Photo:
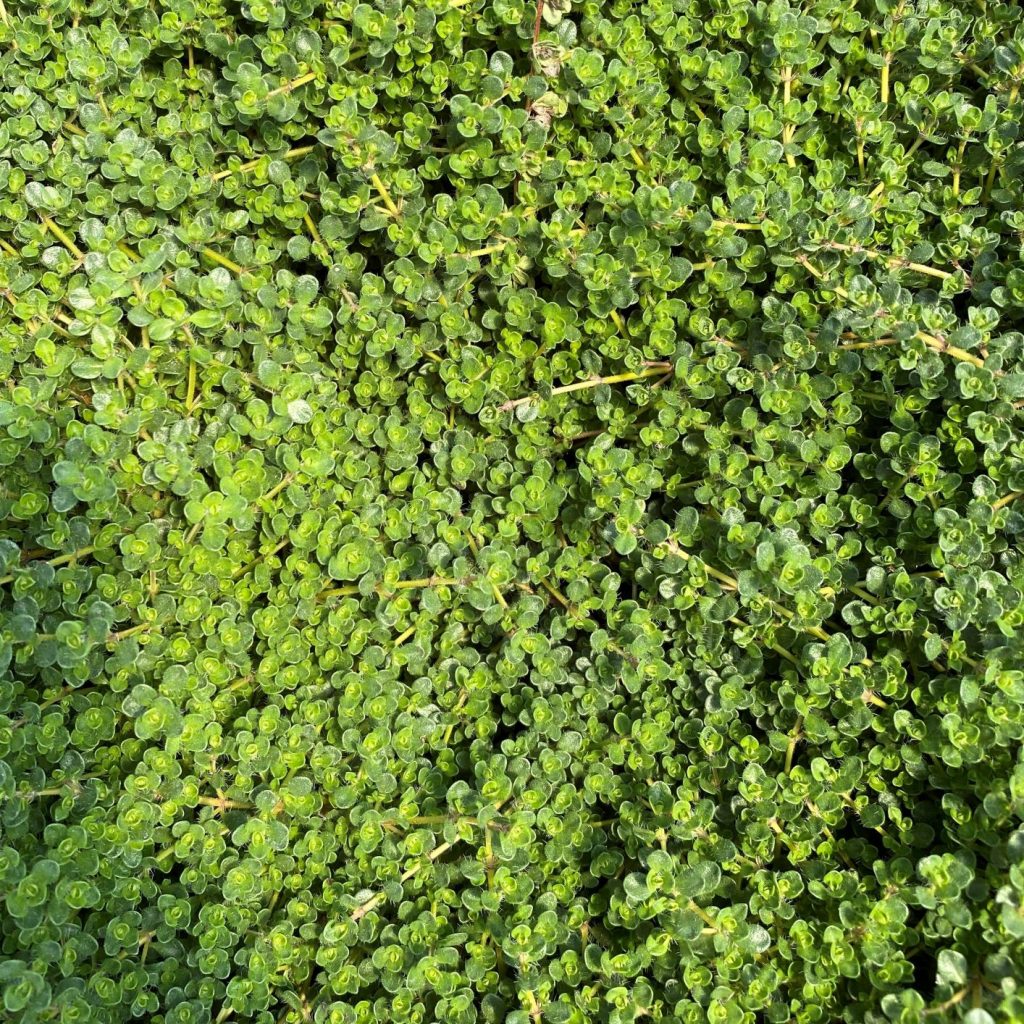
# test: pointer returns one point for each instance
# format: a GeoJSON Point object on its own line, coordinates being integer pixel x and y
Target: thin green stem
{"type": "Point", "coordinates": [238, 573]}
{"type": "Point", "coordinates": [276, 489]}
{"type": "Point", "coordinates": [294, 84]}
{"type": "Point", "coordinates": [487, 250]}
{"type": "Point", "coordinates": [60, 560]}
{"type": "Point", "coordinates": [249, 165]}
{"type": "Point", "coordinates": [311, 227]}
{"type": "Point", "coordinates": [894, 262]}
{"type": "Point", "coordinates": [936, 344]}
{"type": "Point", "coordinates": [795, 736]}
{"type": "Point", "coordinates": [142, 627]}
{"type": "Point", "coordinates": [364, 908]}
{"type": "Point", "coordinates": [788, 128]}
{"type": "Point", "coordinates": [655, 370]}
{"type": "Point", "coordinates": [1002, 502]}
{"type": "Point", "coordinates": [379, 185]}
{"type": "Point", "coordinates": [877, 343]}
{"type": "Point", "coordinates": [62, 236]}
{"type": "Point", "coordinates": [212, 254]}
{"type": "Point", "coordinates": [421, 583]}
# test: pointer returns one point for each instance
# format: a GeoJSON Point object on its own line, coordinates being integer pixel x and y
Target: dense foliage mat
{"type": "Point", "coordinates": [510, 513]}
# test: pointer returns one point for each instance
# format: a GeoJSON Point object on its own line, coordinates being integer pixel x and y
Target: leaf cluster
{"type": "Point", "coordinates": [511, 512]}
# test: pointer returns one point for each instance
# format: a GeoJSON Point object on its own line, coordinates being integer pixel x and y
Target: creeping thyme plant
{"type": "Point", "coordinates": [511, 513]}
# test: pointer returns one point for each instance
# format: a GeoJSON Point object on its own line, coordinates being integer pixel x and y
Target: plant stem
{"type": "Point", "coordinates": [956, 998]}
{"type": "Point", "coordinates": [426, 581]}
{"type": "Point", "coordinates": [703, 915]}
{"type": "Point", "coordinates": [787, 128]}
{"type": "Point", "coordinates": [212, 254]}
{"type": "Point", "coordinates": [191, 391]}
{"type": "Point", "coordinates": [365, 908]}
{"type": "Point", "coordinates": [558, 596]}
{"type": "Point", "coordinates": [403, 636]}
{"type": "Point", "coordinates": [657, 370]}
{"type": "Point", "coordinates": [62, 237]}
{"type": "Point", "coordinates": [794, 738]}
{"type": "Point", "coordinates": [486, 250]}
{"type": "Point", "coordinates": [958, 166]}
{"type": "Point", "coordinates": [60, 560]}
{"type": "Point", "coordinates": [312, 228]}
{"type": "Point", "coordinates": [937, 344]}
{"type": "Point", "coordinates": [990, 180]}
{"type": "Point", "coordinates": [385, 195]}
{"type": "Point", "coordinates": [238, 573]}
{"type": "Point", "coordinates": [1002, 502]}
{"type": "Point", "coordinates": [276, 489]}
{"type": "Point", "coordinates": [423, 582]}
{"type": "Point", "coordinates": [142, 627]}
{"type": "Point", "coordinates": [498, 596]}
{"type": "Point", "coordinates": [736, 225]}
{"type": "Point", "coordinates": [537, 21]}
{"type": "Point", "coordinates": [251, 164]}
{"type": "Point", "coordinates": [877, 343]}
{"type": "Point", "coordinates": [222, 804]}
{"type": "Point", "coordinates": [894, 262]}
{"type": "Point", "coordinates": [294, 84]}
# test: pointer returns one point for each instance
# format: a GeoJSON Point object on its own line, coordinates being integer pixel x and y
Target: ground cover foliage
{"type": "Point", "coordinates": [509, 513]}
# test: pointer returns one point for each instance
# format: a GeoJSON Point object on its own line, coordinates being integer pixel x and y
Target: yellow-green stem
{"type": "Point", "coordinates": [143, 627]}
{"type": "Point", "coordinates": [736, 225]}
{"type": "Point", "coordinates": [703, 915]}
{"type": "Point", "coordinates": [958, 165]}
{"type": "Point", "coordinates": [280, 546]}
{"type": "Point", "coordinates": [294, 84]}
{"type": "Point", "coordinates": [60, 560]}
{"type": "Point", "coordinates": [212, 254]}
{"type": "Point", "coordinates": [877, 343]}
{"type": "Point", "coordinates": [1006, 500]}
{"type": "Point", "coordinates": [65, 239]}
{"type": "Point", "coordinates": [190, 393]}
{"type": "Point", "coordinates": [312, 229]}
{"type": "Point", "coordinates": [403, 636]}
{"type": "Point", "coordinates": [498, 596]}
{"type": "Point", "coordinates": [894, 262]}
{"type": "Point", "coordinates": [787, 129]}
{"type": "Point", "coordinates": [423, 582]}
{"type": "Point", "coordinates": [936, 344]}
{"type": "Point", "coordinates": [990, 179]}
{"type": "Point", "coordinates": [251, 164]}
{"type": "Point", "coordinates": [486, 250]}
{"type": "Point", "coordinates": [439, 851]}
{"type": "Point", "coordinates": [277, 488]}
{"type": "Point", "coordinates": [658, 370]}
{"type": "Point", "coordinates": [794, 738]}
{"type": "Point", "coordinates": [379, 185]}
